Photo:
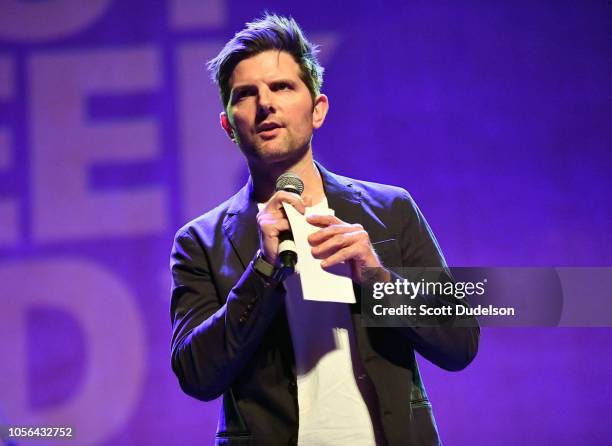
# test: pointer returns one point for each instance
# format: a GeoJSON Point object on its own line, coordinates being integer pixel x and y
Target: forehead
{"type": "Point", "coordinates": [271, 64]}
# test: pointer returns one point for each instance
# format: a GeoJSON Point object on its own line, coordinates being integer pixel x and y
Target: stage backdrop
{"type": "Point", "coordinates": [496, 116]}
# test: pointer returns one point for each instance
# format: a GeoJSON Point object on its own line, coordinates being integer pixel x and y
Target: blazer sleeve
{"type": "Point", "coordinates": [446, 345]}
{"type": "Point", "coordinates": [211, 342]}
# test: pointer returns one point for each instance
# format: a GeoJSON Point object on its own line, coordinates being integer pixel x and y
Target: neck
{"type": "Point", "coordinates": [264, 178]}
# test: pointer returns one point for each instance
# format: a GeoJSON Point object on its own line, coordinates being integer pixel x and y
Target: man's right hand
{"type": "Point", "coordinates": [271, 221]}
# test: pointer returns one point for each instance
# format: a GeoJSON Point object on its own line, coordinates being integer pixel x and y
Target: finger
{"type": "Point", "coordinates": [280, 197]}
{"type": "Point", "coordinates": [323, 220]}
{"type": "Point", "coordinates": [325, 233]}
{"type": "Point", "coordinates": [340, 256]}
{"type": "Point", "coordinates": [272, 226]}
{"type": "Point", "coordinates": [334, 244]}
{"type": "Point", "coordinates": [272, 213]}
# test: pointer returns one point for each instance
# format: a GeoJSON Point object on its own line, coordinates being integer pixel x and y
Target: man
{"type": "Point", "coordinates": [294, 371]}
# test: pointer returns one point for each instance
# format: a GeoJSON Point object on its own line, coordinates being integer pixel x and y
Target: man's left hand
{"type": "Point", "coordinates": [338, 241]}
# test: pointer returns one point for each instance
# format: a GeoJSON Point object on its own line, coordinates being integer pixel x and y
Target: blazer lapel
{"type": "Point", "coordinates": [240, 224]}
{"type": "Point", "coordinates": [342, 197]}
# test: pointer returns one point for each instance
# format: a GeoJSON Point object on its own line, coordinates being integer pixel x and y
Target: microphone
{"type": "Point", "coordinates": [287, 253]}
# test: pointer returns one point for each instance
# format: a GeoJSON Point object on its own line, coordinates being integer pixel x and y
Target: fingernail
{"type": "Point", "coordinates": [323, 264]}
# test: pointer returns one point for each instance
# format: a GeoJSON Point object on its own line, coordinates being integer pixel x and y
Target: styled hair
{"type": "Point", "coordinates": [271, 32]}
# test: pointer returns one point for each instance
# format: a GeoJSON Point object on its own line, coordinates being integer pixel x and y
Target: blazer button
{"type": "Point", "coordinates": [249, 306]}
{"type": "Point", "coordinates": [242, 320]}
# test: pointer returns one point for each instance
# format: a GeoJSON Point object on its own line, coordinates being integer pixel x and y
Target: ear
{"type": "Point", "coordinates": [319, 111]}
{"type": "Point", "coordinates": [225, 123]}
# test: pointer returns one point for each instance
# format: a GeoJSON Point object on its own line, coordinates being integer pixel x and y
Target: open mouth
{"type": "Point", "coordinates": [268, 127]}
{"type": "Point", "coordinates": [269, 131]}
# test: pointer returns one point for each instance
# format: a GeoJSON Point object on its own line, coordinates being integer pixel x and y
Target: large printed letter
{"type": "Point", "coordinates": [114, 339]}
{"type": "Point", "coordinates": [35, 21]}
{"type": "Point", "coordinates": [66, 143]}
{"type": "Point", "coordinates": [9, 234]}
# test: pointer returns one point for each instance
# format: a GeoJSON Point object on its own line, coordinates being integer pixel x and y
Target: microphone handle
{"type": "Point", "coordinates": [287, 250]}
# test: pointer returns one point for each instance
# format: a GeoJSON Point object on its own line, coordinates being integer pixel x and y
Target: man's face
{"type": "Point", "coordinates": [271, 114]}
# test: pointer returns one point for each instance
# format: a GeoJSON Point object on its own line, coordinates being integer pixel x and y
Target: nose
{"type": "Point", "coordinates": [265, 102]}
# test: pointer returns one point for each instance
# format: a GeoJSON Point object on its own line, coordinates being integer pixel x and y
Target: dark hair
{"type": "Point", "coordinates": [271, 32]}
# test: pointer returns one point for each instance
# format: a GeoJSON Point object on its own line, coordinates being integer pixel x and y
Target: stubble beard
{"type": "Point", "coordinates": [280, 150]}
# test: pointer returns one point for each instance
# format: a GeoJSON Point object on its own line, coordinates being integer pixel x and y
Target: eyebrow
{"type": "Point", "coordinates": [243, 87]}
{"type": "Point", "coordinates": [272, 81]}
{"type": "Point", "coordinates": [239, 89]}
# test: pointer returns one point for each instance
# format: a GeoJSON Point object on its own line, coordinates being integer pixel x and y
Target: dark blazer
{"type": "Point", "coordinates": [230, 331]}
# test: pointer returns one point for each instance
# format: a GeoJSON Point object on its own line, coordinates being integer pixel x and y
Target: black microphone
{"type": "Point", "coordinates": [289, 182]}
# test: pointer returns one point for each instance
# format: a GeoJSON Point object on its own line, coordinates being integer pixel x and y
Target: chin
{"type": "Point", "coordinates": [270, 153]}
{"type": "Point", "coordinates": [277, 154]}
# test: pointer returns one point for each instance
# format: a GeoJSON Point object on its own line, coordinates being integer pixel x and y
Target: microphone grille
{"type": "Point", "coordinates": [290, 182]}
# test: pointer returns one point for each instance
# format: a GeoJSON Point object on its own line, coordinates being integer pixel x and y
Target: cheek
{"type": "Point", "coordinates": [239, 124]}
{"type": "Point", "coordinates": [303, 116]}
{"type": "Point", "coordinates": [240, 117]}
{"type": "Point", "coordinates": [242, 128]}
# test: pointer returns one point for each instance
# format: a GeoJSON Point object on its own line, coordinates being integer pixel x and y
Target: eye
{"type": "Point", "coordinates": [241, 94]}
{"type": "Point", "coordinates": [280, 86]}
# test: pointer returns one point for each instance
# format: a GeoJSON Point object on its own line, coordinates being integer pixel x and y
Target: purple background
{"type": "Point", "coordinates": [496, 116]}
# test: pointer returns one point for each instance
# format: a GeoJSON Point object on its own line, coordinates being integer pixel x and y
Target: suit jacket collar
{"type": "Point", "coordinates": [240, 223]}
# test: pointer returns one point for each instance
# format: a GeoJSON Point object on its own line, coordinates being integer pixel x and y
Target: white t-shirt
{"type": "Point", "coordinates": [332, 410]}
